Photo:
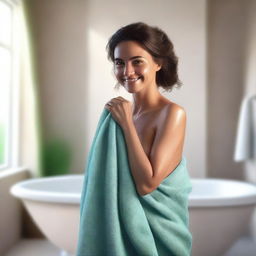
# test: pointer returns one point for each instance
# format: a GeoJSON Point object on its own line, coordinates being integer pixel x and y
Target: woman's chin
{"type": "Point", "coordinates": [132, 89]}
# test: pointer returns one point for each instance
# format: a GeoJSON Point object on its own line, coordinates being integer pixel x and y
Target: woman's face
{"type": "Point", "coordinates": [134, 67]}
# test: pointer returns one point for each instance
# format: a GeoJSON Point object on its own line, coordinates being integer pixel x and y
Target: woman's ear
{"type": "Point", "coordinates": [159, 67]}
{"type": "Point", "coordinates": [158, 64]}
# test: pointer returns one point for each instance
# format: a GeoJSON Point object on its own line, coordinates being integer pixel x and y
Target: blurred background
{"type": "Point", "coordinates": [55, 80]}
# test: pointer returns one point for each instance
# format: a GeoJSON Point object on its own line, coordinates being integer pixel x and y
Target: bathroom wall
{"type": "Point", "coordinates": [76, 78]}
{"type": "Point", "coordinates": [250, 77]}
{"type": "Point", "coordinates": [231, 76]}
{"type": "Point", "coordinates": [226, 59]}
{"type": "Point", "coordinates": [250, 89]}
{"type": "Point", "coordinates": [11, 209]}
{"type": "Point", "coordinates": [59, 34]}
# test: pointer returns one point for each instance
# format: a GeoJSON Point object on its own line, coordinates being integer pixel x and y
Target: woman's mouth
{"type": "Point", "coordinates": [131, 79]}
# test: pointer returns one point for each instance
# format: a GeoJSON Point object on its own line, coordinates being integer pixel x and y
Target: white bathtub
{"type": "Point", "coordinates": [220, 210]}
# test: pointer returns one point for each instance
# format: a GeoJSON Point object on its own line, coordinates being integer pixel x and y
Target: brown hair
{"type": "Point", "coordinates": [154, 41]}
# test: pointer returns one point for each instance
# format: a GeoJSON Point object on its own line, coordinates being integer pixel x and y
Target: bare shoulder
{"type": "Point", "coordinates": [172, 111]}
{"type": "Point", "coordinates": [174, 107]}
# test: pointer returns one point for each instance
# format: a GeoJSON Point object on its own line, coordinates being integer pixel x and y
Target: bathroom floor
{"type": "Point", "coordinates": [27, 247]}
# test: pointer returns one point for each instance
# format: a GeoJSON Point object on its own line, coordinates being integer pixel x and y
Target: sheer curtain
{"type": "Point", "coordinates": [30, 125]}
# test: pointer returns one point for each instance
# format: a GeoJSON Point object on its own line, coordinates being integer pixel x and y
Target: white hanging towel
{"type": "Point", "coordinates": [245, 147]}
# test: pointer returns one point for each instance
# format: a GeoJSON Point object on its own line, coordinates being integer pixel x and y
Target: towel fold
{"type": "Point", "coordinates": [245, 146]}
{"type": "Point", "coordinates": [114, 219]}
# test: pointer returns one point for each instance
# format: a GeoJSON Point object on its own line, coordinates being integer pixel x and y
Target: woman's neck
{"type": "Point", "coordinates": [145, 101]}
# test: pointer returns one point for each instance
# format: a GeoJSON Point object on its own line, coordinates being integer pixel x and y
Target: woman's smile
{"type": "Point", "coordinates": [131, 80]}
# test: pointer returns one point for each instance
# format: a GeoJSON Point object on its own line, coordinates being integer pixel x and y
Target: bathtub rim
{"type": "Point", "coordinates": [216, 201]}
{"type": "Point", "coordinates": [20, 191]}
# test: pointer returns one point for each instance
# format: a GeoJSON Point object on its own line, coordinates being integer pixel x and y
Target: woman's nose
{"type": "Point", "coordinates": [128, 69]}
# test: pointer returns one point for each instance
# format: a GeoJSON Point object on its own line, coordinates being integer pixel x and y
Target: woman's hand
{"type": "Point", "coordinates": [121, 110]}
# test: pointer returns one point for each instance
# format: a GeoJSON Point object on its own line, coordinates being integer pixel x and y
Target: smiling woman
{"type": "Point", "coordinates": [144, 139]}
{"type": "Point", "coordinates": [143, 61]}
{"type": "Point", "coordinates": [156, 44]}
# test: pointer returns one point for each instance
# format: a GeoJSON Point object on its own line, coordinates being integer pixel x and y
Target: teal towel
{"type": "Point", "coordinates": [114, 219]}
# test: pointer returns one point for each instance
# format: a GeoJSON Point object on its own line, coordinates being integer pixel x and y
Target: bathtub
{"type": "Point", "coordinates": [220, 211]}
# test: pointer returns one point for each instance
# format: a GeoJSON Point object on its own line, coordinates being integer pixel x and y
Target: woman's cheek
{"type": "Point", "coordinates": [144, 72]}
{"type": "Point", "coordinates": [118, 75]}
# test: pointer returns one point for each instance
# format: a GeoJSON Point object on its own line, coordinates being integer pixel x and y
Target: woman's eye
{"type": "Point", "coordinates": [118, 63]}
{"type": "Point", "coordinates": [137, 61]}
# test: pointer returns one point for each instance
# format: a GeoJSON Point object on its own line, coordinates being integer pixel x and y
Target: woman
{"type": "Point", "coordinates": [154, 127]}
{"type": "Point", "coordinates": [130, 204]}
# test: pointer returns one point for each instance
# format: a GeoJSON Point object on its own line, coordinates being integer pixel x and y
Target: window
{"type": "Point", "coordinates": [8, 90]}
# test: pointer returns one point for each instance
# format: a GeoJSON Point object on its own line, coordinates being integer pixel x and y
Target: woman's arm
{"type": "Point", "coordinates": [167, 148]}
{"type": "Point", "coordinates": [139, 163]}
{"type": "Point", "coordinates": [165, 154]}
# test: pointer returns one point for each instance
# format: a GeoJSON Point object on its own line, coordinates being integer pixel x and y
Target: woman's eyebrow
{"type": "Point", "coordinates": [134, 57]}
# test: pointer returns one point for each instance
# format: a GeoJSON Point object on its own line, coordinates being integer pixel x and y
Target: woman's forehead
{"type": "Point", "coordinates": [128, 49]}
